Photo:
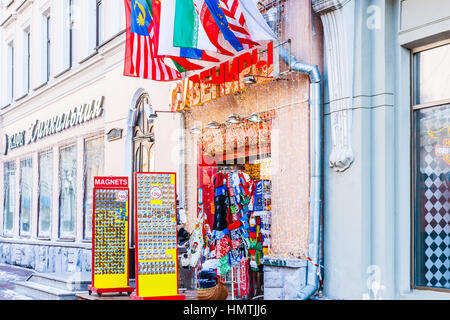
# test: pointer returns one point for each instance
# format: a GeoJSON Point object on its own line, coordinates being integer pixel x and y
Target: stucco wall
{"type": "Point", "coordinates": [367, 207]}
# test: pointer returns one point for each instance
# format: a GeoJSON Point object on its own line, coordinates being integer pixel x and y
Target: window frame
{"type": "Point", "coordinates": [10, 69]}
{"type": "Point", "coordinates": [86, 236]}
{"type": "Point", "coordinates": [28, 234]}
{"type": "Point", "coordinates": [40, 153]}
{"type": "Point", "coordinates": [98, 19]}
{"type": "Point", "coordinates": [71, 37]}
{"type": "Point", "coordinates": [70, 238]}
{"type": "Point", "coordinates": [27, 32]}
{"type": "Point", "coordinates": [48, 21]}
{"type": "Point", "coordinates": [5, 232]}
{"type": "Point", "coordinates": [413, 109]}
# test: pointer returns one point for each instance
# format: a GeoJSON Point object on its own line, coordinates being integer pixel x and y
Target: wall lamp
{"type": "Point", "coordinates": [213, 125]}
{"type": "Point", "coordinates": [255, 118]}
{"type": "Point", "coordinates": [196, 130]}
{"type": "Point", "coordinates": [251, 79]}
{"type": "Point", "coordinates": [234, 118]}
{"type": "Point", "coordinates": [153, 114]}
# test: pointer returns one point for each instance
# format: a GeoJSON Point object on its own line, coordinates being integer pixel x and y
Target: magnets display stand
{"type": "Point", "coordinates": [110, 271]}
{"type": "Point", "coordinates": [156, 237]}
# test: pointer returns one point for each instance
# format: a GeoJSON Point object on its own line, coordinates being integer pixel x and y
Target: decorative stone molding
{"type": "Point", "coordinates": [25, 4]}
{"type": "Point", "coordinates": [339, 61]}
{"type": "Point", "coordinates": [10, 19]}
{"type": "Point", "coordinates": [322, 6]}
{"type": "Point", "coordinates": [46, 258]}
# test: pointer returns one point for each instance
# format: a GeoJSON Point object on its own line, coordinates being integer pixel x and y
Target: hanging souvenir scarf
{"type": "Point", "coordinates": [235, 234]}
{"type": "Point", "coordinates": [252, 223]}
{"type": "Point", "coordinates": [243, 284]}
{"type": "Point", "coordinates": [196, 242]}
{"type": "Point", "coordinates": [223, 266]}
{"type": "Point", "coordinates": [255, 245]}
{"type": "Point", "coordinates": [244, 227]}
{"type": "Point", "coordinates": [255, 251]}
{"type": "Point", "coordinates": [244, 185]}
{"type": "Point", "coordinates": [208, 242]}
{"type": "Point", "coordinates": [230, 189]}
{"type": "Point", "coordinates": [221, 203]}
{"type": "Point", "coordinates": [234, 205]}
{"type": "Point", "coordinates": [258, 202]}
{"type": "Point", "coordinates": [222, 247]}
{"type": "Point", "coordinates": [236, 240]}
{"type": "Point", "coordinates": [222, 250]}
{"type": "Point", "coordinates": [234, 184]}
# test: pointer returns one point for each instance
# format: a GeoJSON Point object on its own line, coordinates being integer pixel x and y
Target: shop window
{"type": "Point", "coordinates": [27, 61]}
{"type": "Point", "coordinates": [45, 194]}
{"type": "Point", "coordinates": [93, 166]}
{"type": "Point", "coordinates": [432, 170]}
{"type": "Point", "coordinates": [26, 195]}
{"type": "Point", "coordinates": [9, 185]}
{"type": "Point", "coordinates": [71, 33]}
{"type": "Point", "coordinates": [248, 162]}
{"type": "Point", "coordinates": [47, 47]}
{"type": "Point", "coordinates": [248, 167]}
{"type": "Point", "coordinates": [68, 192]}
{"type": "Point", "coordinates": [144, 138]}
{"type": "Point", "coordinates": [10, 73]}
{"type": "Point", "coordinates": [432, 75]}
{"type": "Point", "coordinates": [99, 22]}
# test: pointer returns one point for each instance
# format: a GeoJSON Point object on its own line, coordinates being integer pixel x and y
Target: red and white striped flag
{"type": "Point", "coordinates": [237, 23]}
{"type": "Point", "coordinates": [212, 29]}
{"type": "Point", "coordinates": [141, 58]}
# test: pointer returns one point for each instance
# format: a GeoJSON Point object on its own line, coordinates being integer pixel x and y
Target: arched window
{"type": "Point", "coordinates": [143, 138]}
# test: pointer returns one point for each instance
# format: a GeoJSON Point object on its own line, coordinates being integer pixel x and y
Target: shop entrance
{"type": "Point", "coordinates": [143, 159]}
{"type": "Point", "coordinates": [234, 183]}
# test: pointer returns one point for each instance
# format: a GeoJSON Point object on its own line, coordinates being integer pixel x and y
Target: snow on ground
{"type": "Point", "coordinates": [9, 275]}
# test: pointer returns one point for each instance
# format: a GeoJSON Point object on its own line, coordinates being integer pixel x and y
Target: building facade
{"type": "Point", "coordinates": [68, 114]}
{"type": "Point", "coordinates": [386, 197]}
{"type": "Point", "coordinates": [262, 131]}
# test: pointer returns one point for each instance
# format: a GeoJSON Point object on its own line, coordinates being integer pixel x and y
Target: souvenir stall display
{"type": "Point", "coordinates": [110, 236]}
{"type": "Point", "coordinates": [156, 237]}
{"type": "Point", "coordinates": [240, 234]}
{"type": "Point", "coordinates": [234, 204]}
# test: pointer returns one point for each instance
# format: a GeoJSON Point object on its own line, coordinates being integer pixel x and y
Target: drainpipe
{"type": "Point", "coordinates": [315, 198]}
{"type": "Point", "coordinates": [182, 160]}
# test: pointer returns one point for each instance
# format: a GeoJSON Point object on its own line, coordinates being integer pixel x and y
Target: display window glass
{"type": "Point", "coordinates": [45, 194]}
{"type": "Point", "coordinates": [432, 197]}
{"type": "Point", "coordinates": [68, 191]}
{"type": "Point", "coordinates": [9, 187]}
{"type": "Point", "coordinates": [431, 169]}
{"type": "Point", "coordinates": [432, 75]}
{"type": "Point", "coordinates": [94, 159]}
{"type": "Point", "coordinates": [252, 179]}
{"type": "Point", "coordinates": [26, 195]}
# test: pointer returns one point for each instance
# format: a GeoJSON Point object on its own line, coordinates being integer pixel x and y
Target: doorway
{"type": "Point", "coordinates": [143, 159]}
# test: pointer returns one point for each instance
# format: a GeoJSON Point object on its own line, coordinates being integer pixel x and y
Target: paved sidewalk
{"type": "Point", "coordinates": [190, 295]}
{"type": "Point", "coordinates": [8, 277]}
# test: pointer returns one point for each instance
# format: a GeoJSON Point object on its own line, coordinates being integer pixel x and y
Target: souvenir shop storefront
{"type": "Point", "coordinates": [247, 172]}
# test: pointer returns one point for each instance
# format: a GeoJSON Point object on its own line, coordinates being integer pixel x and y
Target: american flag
{"type": "Point", "coordinates": [141, 58]}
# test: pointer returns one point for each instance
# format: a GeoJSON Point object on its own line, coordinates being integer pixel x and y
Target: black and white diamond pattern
{"type": "Point", "coordinates": [436, 213]}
